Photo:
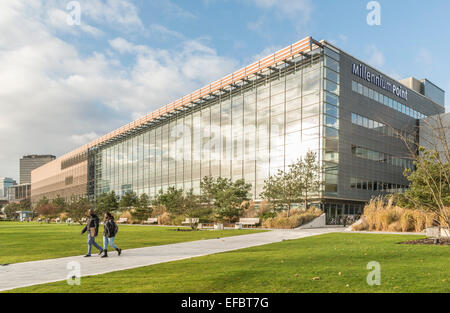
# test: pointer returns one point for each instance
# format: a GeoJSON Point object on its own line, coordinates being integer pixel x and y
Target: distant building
{"type": "Point", "coordinates": [18, 193]}
{"type": "Point", "coordinates": [5, 182]}
{"type": "Point", "coordinates": [31, 162]}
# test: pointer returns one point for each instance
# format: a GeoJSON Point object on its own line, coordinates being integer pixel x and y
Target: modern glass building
{"type": "Point", "coordinates": [310, 96]}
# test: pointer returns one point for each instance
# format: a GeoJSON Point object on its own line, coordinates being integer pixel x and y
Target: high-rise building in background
{"type": "Point", "coordinates": [31, 162]}
{"type": "Point", "coordinates": [310, 96]}
{"type": "Point", "coordinates": [5, 183]}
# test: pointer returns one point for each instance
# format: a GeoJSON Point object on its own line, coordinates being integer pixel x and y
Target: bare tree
{"type": "Point", "coordinates": [430, 180]}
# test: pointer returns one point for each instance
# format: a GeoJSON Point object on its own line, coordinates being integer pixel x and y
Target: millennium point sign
{"type": "Point", "coordinates": [379, 80]}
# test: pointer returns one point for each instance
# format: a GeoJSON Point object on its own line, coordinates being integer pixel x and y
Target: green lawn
{"type": "Point", "coordinates": [22, 242]}
{"type": "Point", "coordinates": [339, 260]}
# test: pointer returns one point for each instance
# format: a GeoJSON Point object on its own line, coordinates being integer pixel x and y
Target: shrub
{"type": "Point", "coordinates": [164, 219]}
{"type": "Point", "coordinates": [407, 221]}
{"type": "Point", "coordinates": [381, 214]}
{"type": "Point", "coordinates": [127, 214]}
{"type": "Point", "coordinates": [296, 219]}
{"type": "Point", "coordinates": [363, 225]}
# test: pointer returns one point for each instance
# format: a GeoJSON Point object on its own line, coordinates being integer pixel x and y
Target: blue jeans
{"type": "Point", "coordinates": [91, 241]}
{"type": "Point", "coordinates": [109, 241]}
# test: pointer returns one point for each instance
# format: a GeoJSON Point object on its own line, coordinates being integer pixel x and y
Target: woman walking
{"type": "Point", "coordinates": [92, 229]}
{"type": "Point", "coordinates": [110, 230]}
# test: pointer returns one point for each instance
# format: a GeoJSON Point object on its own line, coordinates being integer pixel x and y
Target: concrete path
{"type": "Point", "coordinates": [46, 271]}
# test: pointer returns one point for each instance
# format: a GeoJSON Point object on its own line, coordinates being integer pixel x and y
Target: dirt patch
{"type": "Point", "coordinates": [428, 241]}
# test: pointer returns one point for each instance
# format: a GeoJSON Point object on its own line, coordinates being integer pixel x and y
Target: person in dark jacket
{"type": "Point", "coordinates": [92, 229]}
{"type": "Point", "coordinates": [109, 234]}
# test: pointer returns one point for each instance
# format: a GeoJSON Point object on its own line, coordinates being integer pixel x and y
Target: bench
{"type": "Point", "coordinates": [123, 220]}
{"type": "Point", "coordinates": [249, 221]}
{"type": "Point", "coordinates": [151, 220]}
{"type": "Point", "coordinates": [190, 221]}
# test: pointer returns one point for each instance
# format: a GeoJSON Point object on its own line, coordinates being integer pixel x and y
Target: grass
{"type": "Point", "coordinates": [339, 260]}
{"type": "Point", "coordinates": [22, 242]}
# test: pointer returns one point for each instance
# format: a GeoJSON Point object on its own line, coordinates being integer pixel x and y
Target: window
{"type": "Point", "coordinates": [331, 86]}
{"type": "Point", "coordinates": [331, 98]}
{"type": "Point", "coordinates": [331, 110]}
{"type": "Point", "coordinates": [374, 95]}
{"type": "Point", "coordinates": [331, 53]}
{"type": "Point", "coordinates": [331, 121]}
{"type": "Point", "coordinates": [331, 132]}
{"type": "Point", "coordinates": [331, 75]}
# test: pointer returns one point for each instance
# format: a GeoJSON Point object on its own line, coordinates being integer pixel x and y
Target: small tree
{"type": "Point", "coordinates": [172, 200]}
{"type": "Point", "coordinates": [301, 180]}
{"type": "Point", "coordinates": [11, 209]}
{"type": "Point", "coordinates": [194, 208]}
{"type": "Point", "coordinates": [48, 211]}
{"type": "Point", "coordinates": [77, 209]}
{"type": "Point", "coordinates": [142, 210]}
{"type": "Point", "coordinates": [225, 197]}
{"type": "Point", "coordinates": [25, 205]}
{"type": "Point", "coordinates": [308, 172]}
{"type": "Point", "coordinates": [59, 204]}
{"type": "Point", "coordinates": [43, 201]}
{"type": "Point", "coordinates": [107, 202]}
{"type": "Point", "coordinates": [429, 188]}
{"type": "Point", "coordinates": [282, 190]}
{"type": "Point", "coordinates": [129, 200]}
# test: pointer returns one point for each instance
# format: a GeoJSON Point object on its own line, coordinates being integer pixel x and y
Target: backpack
{"type": "Point", "coordinates": [116, 228]}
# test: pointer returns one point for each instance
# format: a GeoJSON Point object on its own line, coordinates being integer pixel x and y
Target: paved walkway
{"type": "Point", "coordinates": [47, 271]}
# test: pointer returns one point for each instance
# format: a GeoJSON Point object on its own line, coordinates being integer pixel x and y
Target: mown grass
{"type": "Point", "coordinates": [338, 262]}
{"type": "Point", "coordinates": [22, 242]}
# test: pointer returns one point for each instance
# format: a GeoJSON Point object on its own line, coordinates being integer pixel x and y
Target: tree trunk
{"type": "Point", "coordinates": [289, 209]}
{"type": "Point", "coordinates": [306, 200]}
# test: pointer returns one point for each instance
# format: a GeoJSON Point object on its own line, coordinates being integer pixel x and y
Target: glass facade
{"type": "Point", "coordinates": [251, 133]}
{"type": "Point", "coordinates": [330, 139]}
{"type": "Point", "coordinates": [433, 92]}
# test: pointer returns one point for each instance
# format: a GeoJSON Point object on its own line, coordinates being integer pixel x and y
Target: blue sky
{"type": "Point", "coordinates": [66, 85]}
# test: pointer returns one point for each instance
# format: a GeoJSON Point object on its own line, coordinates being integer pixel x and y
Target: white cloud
{"type": "Point", "coordinates": [293, 9]}
{"type": "Point", "coordinates": [375, 56]}
{"type": "Point", "coordinates": [83, 138]}
{"type": "Point", "coordinates": [117, 14]}
{"type": "Point", "coordinates": [298, 12]}
{"type": "Point", "coordinates": [55, 98]}
{"type": "Point", "coordinates": [424, 56]}
{"type": "Point", "coordinates": [172, 9]}
{"type": "Point", "coordinates": [57, 20]}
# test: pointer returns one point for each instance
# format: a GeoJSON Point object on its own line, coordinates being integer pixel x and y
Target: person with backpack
{"type": "Point", "coordinates": [110, 230]}
{"type": "Point", "coordinates": [92, 229]}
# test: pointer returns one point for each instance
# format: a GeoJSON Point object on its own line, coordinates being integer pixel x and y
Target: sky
{"type": "Point", "coordinates": [68, 78]}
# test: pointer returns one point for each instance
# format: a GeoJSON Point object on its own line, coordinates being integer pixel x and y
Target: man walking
{"type": "Point", "coordinates": [92, 229]}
